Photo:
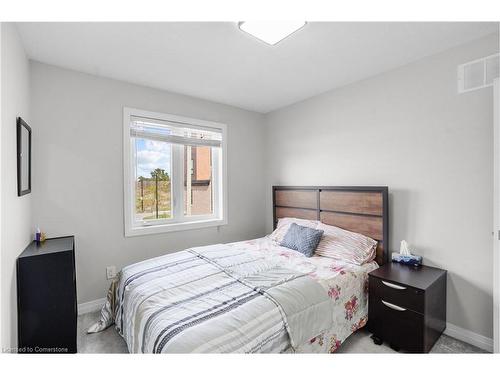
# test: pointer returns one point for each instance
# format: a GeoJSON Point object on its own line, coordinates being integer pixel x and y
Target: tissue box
{"type": "Point", "coordinates": [411, 260]}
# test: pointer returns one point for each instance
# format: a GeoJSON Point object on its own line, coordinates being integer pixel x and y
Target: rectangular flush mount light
{"type": "Point", "coordinates": [271, 32]}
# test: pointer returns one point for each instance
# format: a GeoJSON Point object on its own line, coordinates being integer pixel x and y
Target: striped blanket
{"type": "Point", "coordinates": [216, 299]}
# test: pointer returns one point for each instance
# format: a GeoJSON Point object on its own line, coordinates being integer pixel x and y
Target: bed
{"type": "Point", "coordinates": [254, 296]}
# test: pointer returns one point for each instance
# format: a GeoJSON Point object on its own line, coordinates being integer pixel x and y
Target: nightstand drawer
{"type": "Point", "coordinates": [401, 295]}
{"type": "Point", "coordinates": [397, 325]}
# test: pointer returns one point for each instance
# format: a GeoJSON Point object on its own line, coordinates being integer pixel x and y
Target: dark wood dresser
{"type": "Point", "coordinates": [46, 297]}
{"type": "Point", "coordinates": [407, 306]}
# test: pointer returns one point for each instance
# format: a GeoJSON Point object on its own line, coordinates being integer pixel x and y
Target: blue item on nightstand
{"type": "Point", "coordinates": [410, 260]}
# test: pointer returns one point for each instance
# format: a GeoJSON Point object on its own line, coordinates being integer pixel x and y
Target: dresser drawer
{"type": "Point", "coordinates": [401, 327]}
{"type": "Point", "coordinates": [401, 295]}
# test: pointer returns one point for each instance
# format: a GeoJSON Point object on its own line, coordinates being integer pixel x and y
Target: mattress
{"type": "Point", "coordinates": [248, 296]}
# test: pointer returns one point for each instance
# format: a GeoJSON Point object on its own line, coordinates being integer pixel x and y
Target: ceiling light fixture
{"type": "Point", "coordinates": [271, 32]}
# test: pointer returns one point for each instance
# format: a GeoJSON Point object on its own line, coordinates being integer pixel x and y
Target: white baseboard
{"type": "Point", "coordinates": [469, 337]}
{"type": "Point", "coordinates": [91, 306]}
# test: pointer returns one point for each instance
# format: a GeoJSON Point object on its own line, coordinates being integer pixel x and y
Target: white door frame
{"type": "Point", "coordinates": [2, 344]}
{"type": "Point", "coordinates": [496, 217]}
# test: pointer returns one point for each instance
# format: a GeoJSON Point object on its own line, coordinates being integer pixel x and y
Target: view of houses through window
{"type": "Point", "coordinates": [153, 188]}
{"type": "Point", "coordinates": [198, 180]}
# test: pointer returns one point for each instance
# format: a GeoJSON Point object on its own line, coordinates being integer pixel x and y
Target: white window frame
{"type": "Point", "coordinates": [179, 221]}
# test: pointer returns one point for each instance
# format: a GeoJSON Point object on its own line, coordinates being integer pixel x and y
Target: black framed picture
{"type": "Point", "coordinates": [23, 157]}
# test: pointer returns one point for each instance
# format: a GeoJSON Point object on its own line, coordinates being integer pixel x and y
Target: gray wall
{"type": "Point", "coordinates": [16, 211]}
{"type": "Point", "coordinates": [410, 130]}
{"type": "Point", "coordinates": [78, 173]}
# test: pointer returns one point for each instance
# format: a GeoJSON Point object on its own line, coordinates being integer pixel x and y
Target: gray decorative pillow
{"type": "Point", "coordinates": [302, 239]}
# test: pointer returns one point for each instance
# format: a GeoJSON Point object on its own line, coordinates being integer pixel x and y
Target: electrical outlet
{"type": "Point", "coordinates": [110, 272]}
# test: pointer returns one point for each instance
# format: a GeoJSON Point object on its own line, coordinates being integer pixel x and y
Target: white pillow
{"type": "Point", "coordinates": [284, 224]}
{"type": "Point", "coordinates": [344, 245]}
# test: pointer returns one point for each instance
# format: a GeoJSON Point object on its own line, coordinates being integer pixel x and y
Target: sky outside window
{"type": "Point", "coordinates": [152, 155]}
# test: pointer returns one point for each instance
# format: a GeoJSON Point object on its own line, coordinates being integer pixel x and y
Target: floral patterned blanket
{"type": "Point", "coordinates": [347, 286]}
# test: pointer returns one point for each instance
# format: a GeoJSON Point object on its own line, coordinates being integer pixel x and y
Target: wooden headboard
{"type": "Point", "coordinates": [361, 209]}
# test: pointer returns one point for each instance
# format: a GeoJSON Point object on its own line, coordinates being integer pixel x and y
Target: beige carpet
{"type": "Point", "coordinates": [109, 341]}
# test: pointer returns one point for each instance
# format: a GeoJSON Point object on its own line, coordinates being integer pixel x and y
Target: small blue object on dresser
{"type": "Point", "coordinates": [410, 260]}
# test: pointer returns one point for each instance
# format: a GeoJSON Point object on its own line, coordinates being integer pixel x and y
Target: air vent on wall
{"type": "Point", "coordinates": [478, 74]}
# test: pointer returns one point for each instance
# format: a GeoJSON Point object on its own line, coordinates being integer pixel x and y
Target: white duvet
{"type": "Point", "coordinates": [250, 296]}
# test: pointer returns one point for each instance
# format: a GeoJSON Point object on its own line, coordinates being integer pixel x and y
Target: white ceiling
{"type": "Point", "coordinates": [218, 62]}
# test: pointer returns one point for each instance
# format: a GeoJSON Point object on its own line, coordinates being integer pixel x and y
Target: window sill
{"type": "Point", "coordinates": [174, 227]}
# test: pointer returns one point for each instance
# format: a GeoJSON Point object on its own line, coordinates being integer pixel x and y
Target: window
{"type": "Point", "coordinates": [174, 173]}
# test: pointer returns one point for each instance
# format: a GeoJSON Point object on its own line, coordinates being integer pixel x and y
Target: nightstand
{"type": "Point", "coordinates": [407, 306]}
